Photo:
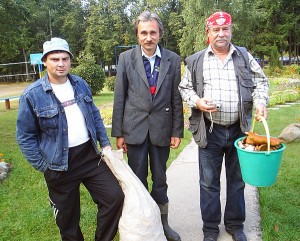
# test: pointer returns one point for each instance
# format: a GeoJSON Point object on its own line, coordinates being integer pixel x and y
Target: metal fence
{"type": "Point", "coordinates": [21, 71]}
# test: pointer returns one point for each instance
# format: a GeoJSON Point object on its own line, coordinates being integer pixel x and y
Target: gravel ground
{"type": "Point", "coordinates": [12, 89]}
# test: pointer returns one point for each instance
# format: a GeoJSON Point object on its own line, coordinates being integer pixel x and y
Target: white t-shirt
{"type": "Point", "coordinates": [77, 131]}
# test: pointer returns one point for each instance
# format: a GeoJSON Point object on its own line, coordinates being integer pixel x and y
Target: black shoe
{"type": "Point", "coordinates": [210, 237]}
{"type": "Point", "coordinates": [239, 236]}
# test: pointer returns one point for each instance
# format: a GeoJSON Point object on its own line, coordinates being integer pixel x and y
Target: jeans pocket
{"type": "Point", "coordinates": [52, 176]}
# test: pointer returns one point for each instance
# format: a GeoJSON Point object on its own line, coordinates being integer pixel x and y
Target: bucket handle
{"type": "Point", "coordinates": [266, 129]}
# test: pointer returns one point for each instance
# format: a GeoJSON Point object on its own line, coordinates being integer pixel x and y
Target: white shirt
{"type": "Point", "coordinates": [77, 131]}
{"type": "Point", "coordinates": [152, 58]}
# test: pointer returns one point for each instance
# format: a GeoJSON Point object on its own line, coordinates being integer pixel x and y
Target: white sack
{"type": "Point", "coordinates": [140, 220]}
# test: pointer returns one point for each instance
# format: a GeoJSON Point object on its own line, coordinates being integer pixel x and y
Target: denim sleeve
{"type": "Point", "coordinates": [27, 134]}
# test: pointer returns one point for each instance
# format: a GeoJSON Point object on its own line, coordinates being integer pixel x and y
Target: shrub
{"type": "Point", "coordinates": [110, 83]}
{"type": "Point", "coordinates": [106, 115]}
{"type": "Point", "coordinates": [92, 73]}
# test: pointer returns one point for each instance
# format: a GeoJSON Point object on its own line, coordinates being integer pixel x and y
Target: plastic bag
{"type": "Point", "coordinates": [140, 219]}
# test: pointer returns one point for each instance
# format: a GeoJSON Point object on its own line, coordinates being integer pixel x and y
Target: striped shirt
{"type": "Point", "coordinates": [220, 86]}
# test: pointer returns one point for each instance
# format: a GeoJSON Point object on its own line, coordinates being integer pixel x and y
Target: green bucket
{"type": "Point", "coordinates": [259, 168]}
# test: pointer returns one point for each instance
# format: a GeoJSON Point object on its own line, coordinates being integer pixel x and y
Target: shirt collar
{"type": "Point", "coordinates": [157, 53]}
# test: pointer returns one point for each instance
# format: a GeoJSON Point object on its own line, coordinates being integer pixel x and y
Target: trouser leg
{"type": "Point", "coordinates": [64, 193]}
{"type": "Point", "coordinates": [159, 156]}
{"type": "Point", "coordinates": [138, 160]}
{"type": "Point", "coordinates": [235, 213]}
{"type": "Point", "coordinates": [107, 194]}
{"type": "Point", "coordinates": [210, 164]}
{"type": "Point", "coordinates": [158, 160]}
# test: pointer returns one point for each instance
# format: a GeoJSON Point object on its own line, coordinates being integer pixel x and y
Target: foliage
{"type": "Point", "coordinates": [274, 57]}
{"type": "Point", "coordinates": [107, 26]}
{"type": "Point", "coordinates": [90, 71]}
{"type": "Point", "coordinates": [110, 83]}
{"type": "Point", "coordinates": [284, 90]}
{"type": "Point", "coordinates": [266, 27]}
{"type": "Point", "coordinates": [289, 71]}
{"type": "Point", "coordinates": [106, 114]}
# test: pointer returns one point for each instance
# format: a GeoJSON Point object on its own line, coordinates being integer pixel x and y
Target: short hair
{"type": "Point", "coordinates": [146, 17]}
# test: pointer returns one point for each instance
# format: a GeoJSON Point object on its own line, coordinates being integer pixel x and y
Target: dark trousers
{"type": "Point", "coordinates": [158, 157]}
{"type": "Point", "coordinates": [221, 146]}
{"type": "Point", "coordinates": [64, 193]}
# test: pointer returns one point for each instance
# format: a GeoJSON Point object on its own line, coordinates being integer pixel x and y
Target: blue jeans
{"type": "Point", "coordinates": [221, 147]}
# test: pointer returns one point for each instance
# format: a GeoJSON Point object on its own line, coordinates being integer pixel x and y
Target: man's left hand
{"type": "Point", "coordinates": [260, 110]}
{"type": "Point", "coordinates": [175, 142]}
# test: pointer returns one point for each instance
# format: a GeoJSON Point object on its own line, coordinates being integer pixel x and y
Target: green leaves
{"type": "Point", "coordinates": [90, 71]}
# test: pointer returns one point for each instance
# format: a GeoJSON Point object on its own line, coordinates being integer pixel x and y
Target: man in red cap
{"type": "Point", "coordinates": [222, 84]}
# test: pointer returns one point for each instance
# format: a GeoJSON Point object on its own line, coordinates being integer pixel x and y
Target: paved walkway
{"type": "Point", "coordinates": [183, 192]}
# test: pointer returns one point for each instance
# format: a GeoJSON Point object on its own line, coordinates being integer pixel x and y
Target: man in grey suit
{"type": "Point", "coordinates": [147, 113]}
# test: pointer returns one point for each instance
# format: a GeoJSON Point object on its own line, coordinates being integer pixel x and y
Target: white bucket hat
{"type": "Point", "coordinates": [56, 44]}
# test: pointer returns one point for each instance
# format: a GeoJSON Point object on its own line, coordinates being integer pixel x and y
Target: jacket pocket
{"type": "Point", "coordinates": [48, 118]}
{"type": "Point", "coordinates": [193, 125]}
{"type": "Point", "coordinates": [88, 103]}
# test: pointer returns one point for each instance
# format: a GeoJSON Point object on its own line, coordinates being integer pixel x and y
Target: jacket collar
{"type": "Point", "coordinates": [46, 83]}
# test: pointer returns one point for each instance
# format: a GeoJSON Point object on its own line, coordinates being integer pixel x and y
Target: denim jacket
{"type": "Point", "coordinates": [42, 129]}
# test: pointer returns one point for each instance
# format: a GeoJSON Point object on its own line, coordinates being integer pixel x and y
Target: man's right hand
{"type": "Point", "coordinates": [205, 105]}
{"type": "Point", "coordinates": [121, 144]}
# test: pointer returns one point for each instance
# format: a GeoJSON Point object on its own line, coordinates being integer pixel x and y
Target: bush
{"type": "Point", "coordinates": [90, 71]}
{"type": "Point", "coordinates": [110, 83]}
{"type": "Point", "coordinates": [291, 71]}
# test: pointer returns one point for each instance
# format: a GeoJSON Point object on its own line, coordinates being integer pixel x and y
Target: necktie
{"type": "Point", "coordinates": [147, 67]}
{"type": "Point", "coordinates": [152, 78]}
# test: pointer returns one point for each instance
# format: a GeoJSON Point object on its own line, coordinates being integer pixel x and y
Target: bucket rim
{"type": "Point", "coordinates": [283, 146]}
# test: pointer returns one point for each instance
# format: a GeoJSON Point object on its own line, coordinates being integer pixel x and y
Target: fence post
{"type": "Point", "coordinates": [7, 104]}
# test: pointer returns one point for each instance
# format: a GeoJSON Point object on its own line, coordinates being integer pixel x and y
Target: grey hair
{"type": "Point", "coordinates": [146, 17]}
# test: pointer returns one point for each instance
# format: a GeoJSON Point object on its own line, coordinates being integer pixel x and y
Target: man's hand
{"type": "Point", "coordinates": [206, 105]}
{"type": "Point", "coordinates": [121, 144]}
{"type": "Point", "coordinates": [107, 148]}
{"type": "Point", "coordinates": [175, 142]}
{"type": "Point", "coordinates": [260, 110]}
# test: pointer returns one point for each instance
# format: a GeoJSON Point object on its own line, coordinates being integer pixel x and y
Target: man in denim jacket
{"type": "Point", "coordinates": [58, 127]}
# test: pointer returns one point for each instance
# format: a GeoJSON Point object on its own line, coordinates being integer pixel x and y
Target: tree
{"type": "Point", "coordinates": [107, 27]}
{"type": "Point", "coordinates": [13, 35]}
{"type": "Point", "coordinates": [90, 71]}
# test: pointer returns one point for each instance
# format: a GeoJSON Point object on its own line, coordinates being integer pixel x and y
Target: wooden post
{"type": "Point", "coordinates": [7, 104]}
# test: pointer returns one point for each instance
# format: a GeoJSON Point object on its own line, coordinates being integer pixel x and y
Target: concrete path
{"type": "Point", "coordinates": [183, 192]}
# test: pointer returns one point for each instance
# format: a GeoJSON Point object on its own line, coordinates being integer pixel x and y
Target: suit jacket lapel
{"type": "Point", "coordinates": [163, 69]}
{"type": "Point", "coordinates": [138, 64]}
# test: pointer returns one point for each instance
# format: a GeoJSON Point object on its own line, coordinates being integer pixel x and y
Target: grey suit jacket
{"type": "Point", "coordinates": [135, 114]}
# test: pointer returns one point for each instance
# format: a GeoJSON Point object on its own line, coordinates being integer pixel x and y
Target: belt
{"type": "Point", "coordinates": [208, 122]}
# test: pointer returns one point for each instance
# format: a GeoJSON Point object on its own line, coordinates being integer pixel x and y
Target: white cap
{"type": "Point", "coordinates": [56, 44]}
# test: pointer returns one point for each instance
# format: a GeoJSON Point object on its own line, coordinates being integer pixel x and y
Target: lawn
{"type": "Point", "coordinates": [26, 214]}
